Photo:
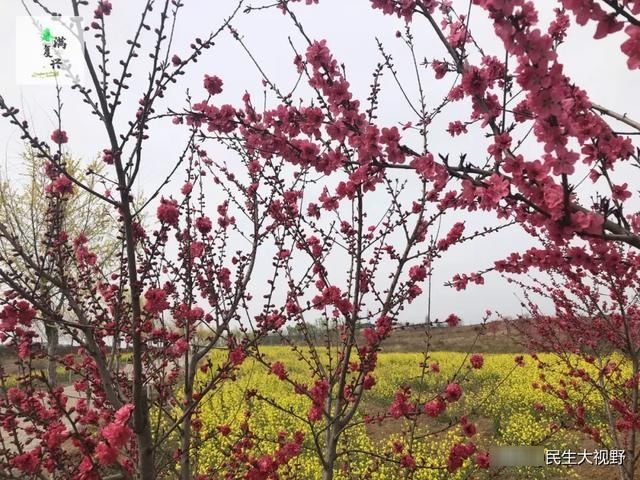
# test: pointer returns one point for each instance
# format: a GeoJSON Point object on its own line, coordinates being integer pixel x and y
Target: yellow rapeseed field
{"type": "Point", "coordinates": [499, 398]}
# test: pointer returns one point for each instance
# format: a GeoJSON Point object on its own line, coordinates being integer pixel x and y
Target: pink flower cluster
{"type": "Point", "coordinates": [116, 435]}
{"type": "Point", "coordinates": [608, 23]}
{"type": "Point", "coordinates": [318, 394]}
{"type": "Point", "coordinates": [103, 10]}
{"type": "Point", "coordinates": [458, 454]}
{"type": "Point", "coordinates": [402, 406]}
{"type": "Point", "coordinates": [168, 212]}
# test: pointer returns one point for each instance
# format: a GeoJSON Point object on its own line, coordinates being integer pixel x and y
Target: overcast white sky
{"type": "Point", "coordinates": [350, 26]}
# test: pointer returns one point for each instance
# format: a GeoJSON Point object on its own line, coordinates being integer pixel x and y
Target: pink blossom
{"type": "Point", "coordinates": [315, 413]}
{"type": "Point", "coordinates": [453, 320]}
{"type": "Point", "coordinates": [63, 185]}
{"type": "Point", "coordinates": [108, 157]}
{"type": "Point", "coordinates": [608, 25]}
{"type": "Point", "coordinates": [456, 128]}
{"type": "Point", "coordinates": [458, 454]}
{"type": "Point", "coordinates": [482, 460]}
{"type": "Point", "coordinates": [468, 428]}
{"type": "Point", "coordinates": [213, 84]}
{"type": "Point", "coordinates": [401, 405]}
{"type": "Point", "coordinates": [196, 249]}
{"type": "Point", "coordinates": [476, 360]}
{"type": "Point", "coordinates": [204, 225]}
{"type": "Point", "coordinates": [620, 192]}
{"type": "Point", "coordinates": [318, 54]}
{"type": "Point", "coordinates": [117, 434]}
{"type": "Point", "coordinates": [631, 47]}
{"type": "Point", "coordinates": [124, 413]}
{"type": "Point", "coordinates": [28, 462]}
{"type": "Point", "coordinates": [279, 370]}
{"type": "Point", "coordinates": [168, 212]}
{"type": "Point", "coordinates": [237, 356]}
{"type": "Point", "coordinates": [106, 454]}
{"type": "Point", "coordinates": [86, 469]}
{"type": "Point", "coordinates": [553, 196]}
{"type": "Point", "coordinates": [59, 136]}
{"type": "Point", "coordinates": [156, 300]}
{"type": "Point", "coordinates": [224, 277]}
{"type": "Point", "coordinates": [418, 273]}
{"type": "Point", "coordinates": [408, 462]}
{"type": "Point", "coordinates": [368, 382]}
{"type": "Point", "coordinates": [104, 6]}
{"type": "Point", "coordinates": [186, 188]}
{"type": "Point", "coordinates": [424, 165]}
{"type": "Point", "coordinates": [435, 407]}
{"type": "Point", "coordinates": [497, 188]}
{"type": "Point", "coordinates": [474, 81]}
{"type": "Point", "coordinates": [440, 68]}
{"type": "Point", "coordinates": [453, 392]}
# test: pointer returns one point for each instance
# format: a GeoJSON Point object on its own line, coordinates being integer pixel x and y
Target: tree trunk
{"type": "Point", "coordinates": [52, 349]}
{"type": "Point", "coordinates": [330, 453]}
{"type": "Point", "coordinates": [185, 460]}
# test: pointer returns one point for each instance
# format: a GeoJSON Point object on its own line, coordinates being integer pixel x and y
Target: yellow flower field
{"type": "Point", "coordinates": [498, 397]}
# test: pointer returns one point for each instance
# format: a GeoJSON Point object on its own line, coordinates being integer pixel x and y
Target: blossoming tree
{"type": "Point", "coordinates": [322, 180]}
{"type": "Point", "coordinates": [589, 231]}
{"type": "Point", "coordinates": [166, 284]}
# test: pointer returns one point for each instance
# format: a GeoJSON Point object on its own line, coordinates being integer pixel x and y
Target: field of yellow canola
{"type": "Point", "coordinates": [499, 398]}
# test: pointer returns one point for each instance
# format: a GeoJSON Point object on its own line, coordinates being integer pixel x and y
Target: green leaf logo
{"type": "Point", "coordinates": [46, 35]}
